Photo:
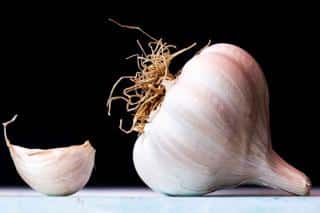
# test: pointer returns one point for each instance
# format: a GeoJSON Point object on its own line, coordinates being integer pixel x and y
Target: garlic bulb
{"type": "Point", "coordinates": [207, 127]}
{"type": "Point", "coordinates": [57, 171]}
{"type": "Point", "coordinates": [212, 130]}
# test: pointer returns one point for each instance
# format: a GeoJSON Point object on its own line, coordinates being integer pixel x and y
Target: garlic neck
{"type": "Point", "coordinates": [278, 174]}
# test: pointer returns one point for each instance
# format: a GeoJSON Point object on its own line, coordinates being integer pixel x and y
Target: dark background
{"type": "Point", "coordinates": [58, 63]}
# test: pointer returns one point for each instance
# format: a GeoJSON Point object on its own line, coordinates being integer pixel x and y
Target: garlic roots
{"type": "Point", "coordinates": [211, 129]}
{"type": "Point", "coordinates": [57, 171]}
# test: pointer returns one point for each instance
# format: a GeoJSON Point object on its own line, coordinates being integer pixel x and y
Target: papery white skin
{"type": "Point", "coordinates": [212, 130]}
{"type": "Point", "coordinates": [57, 171]}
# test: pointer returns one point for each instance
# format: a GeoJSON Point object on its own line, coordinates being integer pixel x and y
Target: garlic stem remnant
{"type": "Point", "coordinates": [57, 171]}
{"type": "Point", "coordinates": [148, 89]}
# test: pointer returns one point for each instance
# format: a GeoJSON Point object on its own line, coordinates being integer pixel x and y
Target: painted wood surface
{"type": "Point", "coordinates": [105, 200]}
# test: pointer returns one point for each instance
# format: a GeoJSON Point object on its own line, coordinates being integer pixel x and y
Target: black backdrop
{"type": "Point", "coordinates": [59, 62]}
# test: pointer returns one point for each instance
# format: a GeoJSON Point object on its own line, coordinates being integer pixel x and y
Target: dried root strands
{"type": "Point", "coordinates": [148, 89]}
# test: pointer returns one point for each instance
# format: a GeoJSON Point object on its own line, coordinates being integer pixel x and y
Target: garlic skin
{"type": "Point", "coordinates": [57, 171]}
{"type": "Point", "coordinates": [212, 130]}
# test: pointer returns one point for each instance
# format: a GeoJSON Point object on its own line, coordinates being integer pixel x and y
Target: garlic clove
{"type": "Point", "coordinates": [57, 171]}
